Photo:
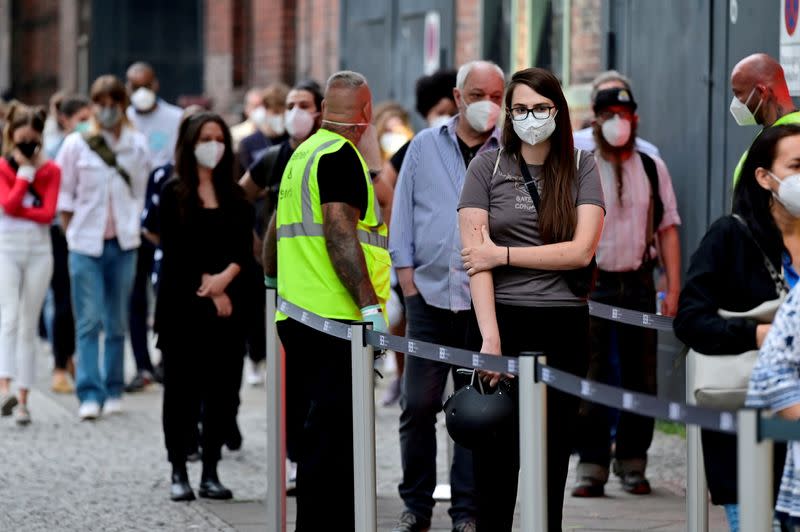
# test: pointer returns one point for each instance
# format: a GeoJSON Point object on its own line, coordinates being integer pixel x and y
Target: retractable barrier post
{"type": "Point", "coordinates": [276, 441]}
{"type": "Point", "coordinates": [696, 488]}
{"type": "Point", "coordinates": [755, 475]}
{"type": "Point", "coordinates": [532, 444]}
{"type": "Point", "coordinates": [362, 360]}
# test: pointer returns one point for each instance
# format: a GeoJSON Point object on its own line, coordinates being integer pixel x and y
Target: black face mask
{"type": "Point", "coordinates": [28, 148]}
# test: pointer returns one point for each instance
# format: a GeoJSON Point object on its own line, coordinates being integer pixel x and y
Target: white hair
{"type": "Point", "coordinates": [345, 79]}
{"type": "Point", "coordinates": [466, 68]}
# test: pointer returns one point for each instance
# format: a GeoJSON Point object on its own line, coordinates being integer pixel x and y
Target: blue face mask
{"type": "Point", "coordinates": [83, 127]}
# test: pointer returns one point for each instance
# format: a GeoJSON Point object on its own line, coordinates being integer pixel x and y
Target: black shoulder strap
{"type": "Point", "coordinates": [98, 145]}
{"type": "Point", "coordinates": [781, 286]}
{"type": "Point", "coordinates": [652, 176]}
{"type": "Point", "coordinates": [526, 175]}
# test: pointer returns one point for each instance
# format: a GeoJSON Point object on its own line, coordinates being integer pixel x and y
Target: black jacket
{"type": "Point", "coordinates": [726, 272]}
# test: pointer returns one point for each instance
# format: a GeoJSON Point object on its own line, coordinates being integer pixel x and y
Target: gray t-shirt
{"type": "Point", "coordinates": [513, 222]}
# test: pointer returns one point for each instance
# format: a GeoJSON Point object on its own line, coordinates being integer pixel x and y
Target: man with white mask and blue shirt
{"type": "Point", "coordinates": [426, 253]}
{"type": "Point", "coordinates": [639, 231]}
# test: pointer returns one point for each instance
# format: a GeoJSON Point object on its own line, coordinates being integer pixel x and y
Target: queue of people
{"type": "Point", "coordinates": [504, 223]}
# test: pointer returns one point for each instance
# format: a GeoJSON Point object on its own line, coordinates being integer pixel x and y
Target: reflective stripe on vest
{"type": "Point", "coordinates": [308, 227]}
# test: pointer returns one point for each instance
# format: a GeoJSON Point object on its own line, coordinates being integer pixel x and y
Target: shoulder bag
{"type": "Point", "coordinates": [721, 381]}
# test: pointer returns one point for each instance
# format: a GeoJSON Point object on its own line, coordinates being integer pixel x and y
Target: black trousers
{"type": "Point", "coordinates": [325, 465]}
{"type": "Point", "coordinates": [637, 359]}
{"type": "Point", "coordinates": [63, 320]}
{"type": "Point", "coordinates": [562, 333]}
{"type": "Point", "coordinates": [200, 373]}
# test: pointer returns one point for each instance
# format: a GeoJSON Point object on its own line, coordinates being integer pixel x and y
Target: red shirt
{"type": "Point", "coordinates": [46, 183]}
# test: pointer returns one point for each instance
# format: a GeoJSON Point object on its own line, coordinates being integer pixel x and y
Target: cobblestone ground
{"type": "Point", "coordinates": [111, 475]}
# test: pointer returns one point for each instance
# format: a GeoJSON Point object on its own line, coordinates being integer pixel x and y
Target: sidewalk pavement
{"type": "Point", "coordinates": [112, 475]}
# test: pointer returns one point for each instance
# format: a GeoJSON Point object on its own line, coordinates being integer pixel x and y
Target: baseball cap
{"type": "Point", "coordinates": [616, 96]}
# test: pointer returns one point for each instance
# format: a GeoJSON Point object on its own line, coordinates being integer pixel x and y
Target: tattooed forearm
{"type": "Point", "coordinates": [339, 225]}
{"type": "Point", "coordinates": [269, 252]}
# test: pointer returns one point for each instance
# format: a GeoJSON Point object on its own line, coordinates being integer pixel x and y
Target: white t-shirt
{"type": "Point", "coordinates": [160, 128]}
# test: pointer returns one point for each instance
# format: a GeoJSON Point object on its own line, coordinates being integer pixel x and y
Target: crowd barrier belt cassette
{"type": "Point", "coordinates": [630, 317]}
{"type": "Point", "coordinates": [611, 396]}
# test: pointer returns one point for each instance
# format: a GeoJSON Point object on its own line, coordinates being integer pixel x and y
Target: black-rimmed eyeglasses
{"type": "Point", "coordinates": [540, 112]}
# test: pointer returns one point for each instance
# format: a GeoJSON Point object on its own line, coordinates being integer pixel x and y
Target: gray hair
{"type": "Point", "coordinates": [605, 77]}
{"type": "Point", "coordinates": [466, 68]}
{"type": "Point", "coordinates": [345, 79]}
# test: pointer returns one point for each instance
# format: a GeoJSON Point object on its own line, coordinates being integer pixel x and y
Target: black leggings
{"type": "Point", "coordinates": [562, 333]}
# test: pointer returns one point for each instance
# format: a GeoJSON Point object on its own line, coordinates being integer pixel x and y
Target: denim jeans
{"type": "Point", "coordinates": [101, 288]}
{"type": "Point", "coordinates": [732, 514]}
{"type": "Point", "coordinates": [421, 399]}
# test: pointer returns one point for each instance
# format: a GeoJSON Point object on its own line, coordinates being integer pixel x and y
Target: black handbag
{"type": "Point", "coordinates": [581, 281]}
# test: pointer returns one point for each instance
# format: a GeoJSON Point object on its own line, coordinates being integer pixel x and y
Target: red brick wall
{"type": "Point", "coordinates": [35, 35]}
{"type": "Point", "coordinates": [587, 38]}
{"type": "Point", "coordinates": [218, 71]}
{"type": "Point", "coordinates": [317, 31]}
{"type": "Point", "coordinates": [468, 39]}
{"type": "Point", "coordinates": [273, 27]}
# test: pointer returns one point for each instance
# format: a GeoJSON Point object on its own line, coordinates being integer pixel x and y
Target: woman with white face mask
{"type": "Point", "coordinates": [205, 237]}
{"type": "Point", "coordinates": [728, 271]}
{"type": "Point", "coordinates": [528, 214]}
{"type": "Point", "coordinates": [104, 174]}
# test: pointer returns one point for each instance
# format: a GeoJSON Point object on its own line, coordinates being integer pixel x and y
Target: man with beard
{"type": "Point", "coordinates": [640, 229]}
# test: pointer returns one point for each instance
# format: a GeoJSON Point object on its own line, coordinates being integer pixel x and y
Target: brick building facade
{"type": "Point", "coordinates": [253, 42]}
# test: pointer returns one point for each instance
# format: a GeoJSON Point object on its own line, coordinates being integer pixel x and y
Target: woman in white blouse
{"type": "Point", "coordinates": [104, 175]}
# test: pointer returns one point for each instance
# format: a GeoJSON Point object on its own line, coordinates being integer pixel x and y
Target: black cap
{"type": "Point", "coordinates": [608, 97]}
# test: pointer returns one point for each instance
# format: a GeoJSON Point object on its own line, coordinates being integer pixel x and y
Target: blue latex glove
{"type": "Point", "coordinates": [374, 315]}
{"type": "Point", "coordinates": [270, 282]}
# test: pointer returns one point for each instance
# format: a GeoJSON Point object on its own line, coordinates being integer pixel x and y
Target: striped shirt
{"type": "Point", "coordinates": [424, 231]}
{"type": "Point", "coordinates": [775, 385]}
{"type": "Point", "coordinates": [622, 245]}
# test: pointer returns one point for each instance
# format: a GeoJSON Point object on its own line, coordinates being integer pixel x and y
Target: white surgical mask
{"type": "Point", "coordinates": [440, 121]}
{"type": "Point", "coordinates": [299, 123]}
{"type": "Point", "coordinates": [259, 116]}
{"type": "Point", "coordinates": [788, 193]}
{"type": "Point", "coordinates": [534, 130]}
{"type": "Point", "coordinates": [391, 142]}
{"type": "Point", "coordinates": [108, 117]}
{"type": "Point", "coordinates": [209, 153]}
{"type": "Point", "coordinates": [143, 99]}
{"type": "Point", "coordinates": [616, 131]}
{"type": "Point", "coordinates": [741, 113]}
{"type": "Point", "coordinates": [482, 115]}
{"type": "Point", "coordinates": [275, 123]}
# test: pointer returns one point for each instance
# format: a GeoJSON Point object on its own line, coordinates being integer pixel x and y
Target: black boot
{"type": "Point", "coordinates": [180, 490]}
{"type": "Point", "coordinates": [210, 486]}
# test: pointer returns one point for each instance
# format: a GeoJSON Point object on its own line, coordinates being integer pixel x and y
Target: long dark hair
{"type": "Point", "coordinates": [225, 185]}
{"type": "Point", "coordinates": [753, 202]}
{"type": "Point", "coordinates": [558, 216]}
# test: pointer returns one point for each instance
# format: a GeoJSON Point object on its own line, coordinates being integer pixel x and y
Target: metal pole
{"type": "Point", "coordinates": [696, 487]}
{"type": "Point", "coordinates": [276, 433]}
{"type": "Point", "coordinates": [362, 360]}
{"type": "Point", "coordinates": [442, 491]}
{"type": "Point", "coordinates": [755, 475]}
{"type": "Point", "coordinates": [532, 445]}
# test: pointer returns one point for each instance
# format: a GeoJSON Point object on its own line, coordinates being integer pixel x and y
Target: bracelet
{"type": "Point", "coordinates": [508, 256]}
{"type": "Point", "coordinates": [371, 310]}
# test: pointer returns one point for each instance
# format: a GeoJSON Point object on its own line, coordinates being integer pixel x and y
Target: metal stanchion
{"type": "Point", "coordinates": [276, 441]}
{"type": "Point", "coordinates": [696, 487]}
{"type": "Point", "coordinates": [362, 360]}
{"type": "Point", "coordinates": [755, 475]}
{"type": "Point", "coordinates": [532, 444]}
{"type": "Point", "coordinates": [442, 491]}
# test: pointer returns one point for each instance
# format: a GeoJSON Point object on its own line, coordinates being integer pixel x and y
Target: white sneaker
{"type": "Point", "coordinates": [89, 410]}
{"type": "Point", "coordinates": [112, 406]}
{"type": "Point", "coordinates": [254, 374]}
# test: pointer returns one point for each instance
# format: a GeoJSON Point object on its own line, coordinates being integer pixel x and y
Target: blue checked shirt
{"type": "Point", "coordinates": [424, 232]}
